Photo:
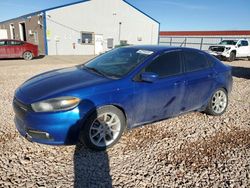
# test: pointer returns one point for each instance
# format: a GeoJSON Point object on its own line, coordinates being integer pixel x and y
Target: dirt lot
{"type": "Point", "coordinates": [193, 150]}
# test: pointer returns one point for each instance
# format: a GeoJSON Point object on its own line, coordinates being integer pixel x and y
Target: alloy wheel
{"type": "Point", "coordinates": [219, 101]}
{"type": "Point", "coordinates": [105, 129]}
{"type": "Point", "coordinates": [27, 56]}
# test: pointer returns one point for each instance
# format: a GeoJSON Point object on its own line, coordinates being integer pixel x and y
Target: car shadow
{"type": "Point", "coordinates": [40, 57]}
{"type": "Point", "coordinates": [12, 59]}
{"type": "Point", "coordinates": [91, 168]}
{"type": "Point", "coordinates": [241, 72]}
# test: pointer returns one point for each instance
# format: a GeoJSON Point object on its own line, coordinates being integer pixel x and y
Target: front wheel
{"type": "Point", "coordinates": [103, 128]}
{"type": "Point", "coordinates": [232, 57]}
{"type": "Point", "coordinates": [218, 103]}
{"type": "Point", "coordinates": [27, 56]}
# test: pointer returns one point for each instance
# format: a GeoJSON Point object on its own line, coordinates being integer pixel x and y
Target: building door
{"type": "Point", "coordinates": [12, 31]}
{"type": "Point", "coordinates": [22, 30]}
{"type": "Point", "coordinates": [98, 44]}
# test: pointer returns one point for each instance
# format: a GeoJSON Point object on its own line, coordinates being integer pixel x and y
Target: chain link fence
{"type": "Point", "coordinates": [201, 43]}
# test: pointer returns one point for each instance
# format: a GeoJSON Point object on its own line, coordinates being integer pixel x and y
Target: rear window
{"type": "Point", "coordinates": [195, 61]}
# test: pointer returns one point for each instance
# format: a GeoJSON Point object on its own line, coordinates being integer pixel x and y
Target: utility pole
{"type": "Point", "coordinates": [120, 28]}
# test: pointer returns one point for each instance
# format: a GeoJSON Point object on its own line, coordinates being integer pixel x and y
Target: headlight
{"type": "Point", "coordinates": [228, 48]}
{"type": "Point", "coordinates": [56, 104]}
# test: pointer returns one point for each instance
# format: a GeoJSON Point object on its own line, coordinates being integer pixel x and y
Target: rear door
{"type": "Point", "coordinates": [2, 49]}
{"type": "Point", "coordinates": [199, 79]}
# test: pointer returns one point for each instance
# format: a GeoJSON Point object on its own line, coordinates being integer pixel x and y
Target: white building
{"type": "Point", "coordinates": [84, 28]}
{"type": "Point", "coordinates": [92, 27]}
{"type": "Point", "coordinates": [3, 34]}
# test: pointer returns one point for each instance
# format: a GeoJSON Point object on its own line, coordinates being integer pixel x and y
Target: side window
{"type": "Point", "coordinates": [166, 65]}
{"type": "Point", "coordinates": [244, 43]}
{"type": "Point", "coordinates": [16, 43]}
{"type": "Point", "coordinates": [195, 61]}
{"type": "Point", "coordinates": [2, 43]}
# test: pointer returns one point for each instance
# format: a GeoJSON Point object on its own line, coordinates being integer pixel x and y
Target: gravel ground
{"type": "Point", "coordinates": [193, 150]}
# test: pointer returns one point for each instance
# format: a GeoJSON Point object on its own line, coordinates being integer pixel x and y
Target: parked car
{"type": "Point", "coordinates": [123, 88]}
{"type": "Point", "coordinates": [18, 49]}
{"type": "Point", "coordinates": [231, 49]}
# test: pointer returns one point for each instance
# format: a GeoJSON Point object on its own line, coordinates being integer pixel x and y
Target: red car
{"type": "Point", "coordinates": [17, 49]}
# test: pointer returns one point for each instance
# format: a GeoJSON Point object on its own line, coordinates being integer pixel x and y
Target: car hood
{"type": "Point", "coordinates": [55, 82]}
{"type": "Point", "coordinates": [219, 45]}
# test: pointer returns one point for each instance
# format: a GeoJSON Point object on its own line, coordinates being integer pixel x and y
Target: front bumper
{"type": "Point", "coordinates": [219, 54]}
{"type": "Point", "coordinates": [60, 128]}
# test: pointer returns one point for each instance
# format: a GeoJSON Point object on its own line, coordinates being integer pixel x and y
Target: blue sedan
{"type": "Point", "coordinates": [124, 88]}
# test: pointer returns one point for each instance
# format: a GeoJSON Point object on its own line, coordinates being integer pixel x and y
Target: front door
{"type": "Point", "coordinates": [243, 49]}
{"type": "Point", "coordinates": [98, 44]}
{"type": "Point", "coordinates": [15, 48]}
{"type": "Point", "coordinates": [162, 98]}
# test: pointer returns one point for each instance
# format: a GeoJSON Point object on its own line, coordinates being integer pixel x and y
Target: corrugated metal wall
{"type": "Point", "coordinates": [199, 42]}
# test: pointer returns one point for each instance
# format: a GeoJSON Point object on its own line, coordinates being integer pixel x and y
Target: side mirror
{"type": "Point", "coordinates": [149, 77]}
{"type": "Point", "coordinates": [239, 45]}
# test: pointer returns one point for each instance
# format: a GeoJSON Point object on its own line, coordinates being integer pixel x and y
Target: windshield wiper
{"type": "Point", "coordinates": [95, 71]}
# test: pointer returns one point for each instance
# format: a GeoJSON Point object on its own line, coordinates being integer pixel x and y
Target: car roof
{"type": "Point", "coordinates": [160, 48]}
{"type": "Point", "coordinates": [11, 40]}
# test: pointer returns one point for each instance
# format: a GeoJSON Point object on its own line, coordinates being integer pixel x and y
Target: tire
{"type": "Point", "coordinates": [218, 103]}
{"type": "Point", "coordinates": [96, 132]}
{"type": "Point", "coordinates": [27, 56]}
{"type": "Point", "coordinates": [232, 56]}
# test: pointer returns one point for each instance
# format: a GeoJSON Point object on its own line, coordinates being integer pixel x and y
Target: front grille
{"type": "Point", "coordinates": [217, 48]}
{"type": "Point", "coordinates": [20, 108]}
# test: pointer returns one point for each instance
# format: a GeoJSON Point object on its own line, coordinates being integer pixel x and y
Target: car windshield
{"type": "Point", "coordinates": [228, 42]}
{"type": "Point", "coordinates": [118, 62]}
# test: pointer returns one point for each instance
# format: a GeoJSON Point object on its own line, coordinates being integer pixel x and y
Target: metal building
{"type": "Point", "coordinates": [84, 28]}
{"type": "Point", "coordinates": [199, 39]}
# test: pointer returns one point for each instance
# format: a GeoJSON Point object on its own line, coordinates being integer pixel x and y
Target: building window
{"type": "Point", "coordinates": [87, 38]}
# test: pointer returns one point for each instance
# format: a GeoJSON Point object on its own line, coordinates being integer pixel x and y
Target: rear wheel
{"type": "Point", "coordinates": [103, 128]}
{"type": "Point", "coordinates": [218, 103]}
{"type": "Point", "coordinates": [232, 57]}
{"type": "Point", "coordinates": [27, 56]}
